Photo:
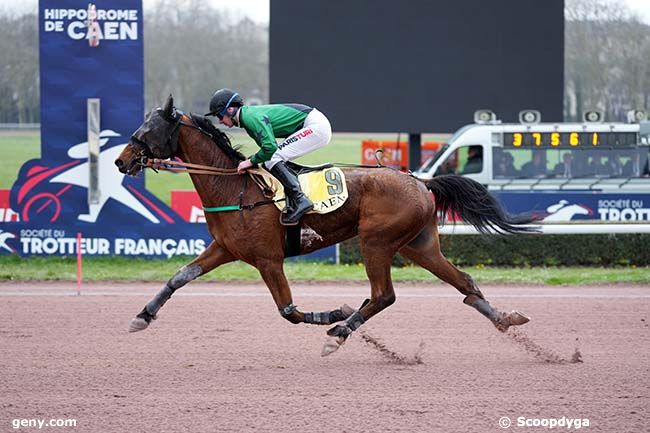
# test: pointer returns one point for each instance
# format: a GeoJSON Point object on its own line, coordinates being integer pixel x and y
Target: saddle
{"type": "Point", "coordinates": [324, 185]}
{"type": "Point", "coordinates": [302, 169]}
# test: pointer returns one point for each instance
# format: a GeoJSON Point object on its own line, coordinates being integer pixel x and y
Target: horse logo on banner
{"type": "Point", "coordinates": [4, 238]}
{"type": "Point", "coordinates": [58, 193]}
{"type": "Point", "coordinates": [565, 211]}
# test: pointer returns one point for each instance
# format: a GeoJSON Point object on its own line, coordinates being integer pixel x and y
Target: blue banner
{"type": "Point", "coordinates": [92, 51]}
{"type": "Point", "coordinates": [563, 206]}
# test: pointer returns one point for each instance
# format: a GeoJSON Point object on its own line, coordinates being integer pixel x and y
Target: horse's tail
{"type": "Point", "coordinates": [471, 201]}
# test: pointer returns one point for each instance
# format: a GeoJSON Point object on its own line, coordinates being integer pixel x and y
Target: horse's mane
{"type": "Point", "coordinates": [219, 137]}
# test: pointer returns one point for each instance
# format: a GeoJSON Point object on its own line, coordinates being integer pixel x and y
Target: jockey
{"type": "Point", "coordinates": [304, 129]}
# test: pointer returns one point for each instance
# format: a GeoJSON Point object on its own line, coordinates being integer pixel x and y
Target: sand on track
{"type": "Point", "coordinates": [220, 358]}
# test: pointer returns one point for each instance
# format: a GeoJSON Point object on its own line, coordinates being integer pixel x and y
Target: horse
{"type": "Point", "coordinates": [390, 211]}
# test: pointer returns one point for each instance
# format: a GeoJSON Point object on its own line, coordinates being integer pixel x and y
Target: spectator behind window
{"type": "Point", "coordinates": [614, 166]}
{"type": "Point", "coordinates": [474, 162]}
{"type": "Point", "coordinates": [564, 168]}
{"type": "Point", "coordinates": [505, 166]}
{"type": "Point", "coordinates": [534, 168]}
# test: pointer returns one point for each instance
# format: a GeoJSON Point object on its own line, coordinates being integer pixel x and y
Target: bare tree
{"type": "Point", "coordinates": [605, 67]}
{"type": "Point", "coordinates": [19, 92]}
{"type": "Point", "coordinates": [190, 50]}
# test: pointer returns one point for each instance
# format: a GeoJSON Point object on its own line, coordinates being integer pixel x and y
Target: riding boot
{"type": "Point", "coordinates": [297, 202]}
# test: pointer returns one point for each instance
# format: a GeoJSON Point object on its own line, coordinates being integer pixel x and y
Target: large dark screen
{"type": "Point", "coordinates": [417, 66]}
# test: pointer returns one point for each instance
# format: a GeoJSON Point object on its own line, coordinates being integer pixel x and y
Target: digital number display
{"type": "Point", "coordinates": [569, 139]}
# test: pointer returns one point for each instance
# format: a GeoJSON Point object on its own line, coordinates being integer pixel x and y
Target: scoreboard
{"type": "Point", "coordinates": [575, 139]}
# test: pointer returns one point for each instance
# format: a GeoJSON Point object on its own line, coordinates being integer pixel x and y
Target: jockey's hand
{"type": "Point", "coordinates": [244, 165]}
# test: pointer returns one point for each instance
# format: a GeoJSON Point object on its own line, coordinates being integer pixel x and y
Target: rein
{"type": "Point", "coordinates": [186, 167]}
{"type": "Point", "coordinates": [157, 164]}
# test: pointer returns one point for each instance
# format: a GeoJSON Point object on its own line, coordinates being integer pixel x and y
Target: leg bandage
{"type": "Point", "coordinates": [484, 307]}
{"type": "Point", "coordinates": [159, 300]}
{"type": "Point", "coordinates": [329, 317]}
{"type": "Point", "coordinates": [182, 277]}
{"type": "Point", "coordinates": [355, 321]}
{"type": "Point", "coordinates": [351, 324]}
{"type": "Point", "coordinates": [288, 310]}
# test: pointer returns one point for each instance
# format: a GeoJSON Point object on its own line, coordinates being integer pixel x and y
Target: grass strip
{"type": "Point", "coordinates": [13, 268]}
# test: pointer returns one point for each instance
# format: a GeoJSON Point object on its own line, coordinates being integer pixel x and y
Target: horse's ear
{"type": "Point", "coordinates": [168, 109]}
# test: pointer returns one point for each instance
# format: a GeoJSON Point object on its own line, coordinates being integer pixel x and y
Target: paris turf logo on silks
{"type": "Point", "coordinates": [4, 242]}
{"type": "Point", "coordinates": [565, 211]}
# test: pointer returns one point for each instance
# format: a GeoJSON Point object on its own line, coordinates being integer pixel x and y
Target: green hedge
{"type": "Point", "coordinates": [533, 250]}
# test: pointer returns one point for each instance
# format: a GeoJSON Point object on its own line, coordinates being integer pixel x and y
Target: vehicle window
{"type": "Point", "coordinates": [436, 156]}
{"type": "Point", "coordinates": [504, 164]}
{"type": "Point", "coordinates": [464, 160]}
{"type": "Point", "coordinates": [571, 163]}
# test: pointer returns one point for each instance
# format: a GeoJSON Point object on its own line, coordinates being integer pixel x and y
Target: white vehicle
{"type": "Point", "coordinates": [562, 172]}
{"type": "Point", "coordinates": [530, 155]}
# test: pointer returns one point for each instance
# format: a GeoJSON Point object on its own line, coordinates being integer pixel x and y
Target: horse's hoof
{"type": "Point", "coordinates": [516, 318]}
{"type": "Point", "coordinates": [331, 345]}
{"type": "Point", "coordinates": [138, 324]}
{"type": "Point", "coordinates": [513, 318]}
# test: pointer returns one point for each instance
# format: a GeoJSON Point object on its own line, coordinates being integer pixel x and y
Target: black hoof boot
{"type": "Point", "coordinates": [340, 331]}
{"type": "Point", "coordinates": [145, 315]}
{"type": "Point", "coordinates": [336, 338]}
{"type": "Point", "coordinates": [141, 321]}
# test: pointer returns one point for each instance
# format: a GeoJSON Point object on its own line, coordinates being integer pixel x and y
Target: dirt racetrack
{"type": "Point", "coordinates": [221, 359]}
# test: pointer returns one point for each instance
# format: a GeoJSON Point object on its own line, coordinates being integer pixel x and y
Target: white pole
{"type": "Point", "coordinates": [574, 228]}
{"type": "Point", "coordinates": [93, 123]}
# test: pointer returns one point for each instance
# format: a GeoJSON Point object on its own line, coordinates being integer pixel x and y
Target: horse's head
{"type": "Point", "coordinates": [157, 137]}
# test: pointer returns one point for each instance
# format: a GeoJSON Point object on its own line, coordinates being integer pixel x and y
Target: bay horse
{"type": "Point", "coordinates": [391, 212]}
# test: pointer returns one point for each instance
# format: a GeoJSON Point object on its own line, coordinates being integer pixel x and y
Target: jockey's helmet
{"type": "Point", "coordinates": [222, 100]}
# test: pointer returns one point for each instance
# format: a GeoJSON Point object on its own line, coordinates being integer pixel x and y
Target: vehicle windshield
{"type": "Point", "coordinates": [436, 156]}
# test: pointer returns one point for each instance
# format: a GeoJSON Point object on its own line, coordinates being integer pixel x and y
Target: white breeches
{"type": "Point", "coordinates": [315, 133]}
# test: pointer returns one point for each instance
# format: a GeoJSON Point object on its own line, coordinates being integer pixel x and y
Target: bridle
{"type": "Point", "coordinates": [144, 158]}
{"type": "Point", "coordinates": [144, 153]}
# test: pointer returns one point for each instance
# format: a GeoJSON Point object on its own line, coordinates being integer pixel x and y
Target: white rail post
{"type": "Point", "coordinates": [94, 193]}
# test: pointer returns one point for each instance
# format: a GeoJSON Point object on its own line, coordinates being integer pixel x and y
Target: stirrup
{"type": "Point", "coordinates": [284, 215]}
{"type": "Point", "coordinates": [286, 223]}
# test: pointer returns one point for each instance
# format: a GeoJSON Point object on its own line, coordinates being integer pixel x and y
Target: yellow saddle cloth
{"type": "Point", "coordinates": [325, 188]}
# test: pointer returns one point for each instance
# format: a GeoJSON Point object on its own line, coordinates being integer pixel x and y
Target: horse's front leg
{"type": "Point", "coordinates": [377, 264]}
{"type": "Point", "coordinates": [273, 275]}
{"type": "Point", "coordinates": [209, 259]}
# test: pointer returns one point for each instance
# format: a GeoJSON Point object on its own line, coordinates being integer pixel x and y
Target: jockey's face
{"type": "Point", "coordinates": [226, 120]}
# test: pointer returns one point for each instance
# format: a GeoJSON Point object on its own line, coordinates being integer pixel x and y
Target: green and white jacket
{"type": "Point", "coordinates": [265, 123]}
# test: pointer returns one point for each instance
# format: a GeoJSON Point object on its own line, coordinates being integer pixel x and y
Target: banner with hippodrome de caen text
{"type": "Point", "coordinates": [92, 50]}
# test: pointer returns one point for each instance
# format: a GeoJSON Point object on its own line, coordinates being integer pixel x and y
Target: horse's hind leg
{"type": "Point", "coordinates": [377, 262]}
{"type": "Point", "coordinates": [425, 251]}
{"type": "Point", "coordinates": [330, 316]}
{"type": "Point", "coordinates": [209, 259]}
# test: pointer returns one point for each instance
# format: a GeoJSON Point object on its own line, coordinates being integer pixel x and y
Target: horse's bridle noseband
{"type": "Point", "coordinates": [143, 154]}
